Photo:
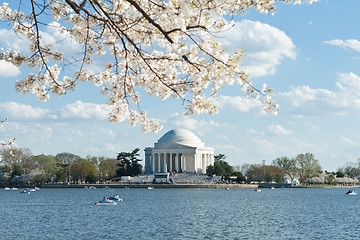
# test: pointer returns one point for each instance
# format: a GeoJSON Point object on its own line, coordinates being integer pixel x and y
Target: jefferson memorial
{"type": "Point", "coordinates": [178, 150]}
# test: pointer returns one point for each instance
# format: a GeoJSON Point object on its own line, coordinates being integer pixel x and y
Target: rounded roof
{"type": "Point", "coordinates": [180, 136]}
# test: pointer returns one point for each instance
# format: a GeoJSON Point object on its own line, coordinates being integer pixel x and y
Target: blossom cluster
{"type": "Point", "coordinates": [166, 48]}
{"type": "Point", "coordinates": [9, 142]}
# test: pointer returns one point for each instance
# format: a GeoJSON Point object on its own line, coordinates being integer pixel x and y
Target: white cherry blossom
{"type": "Point", "coordinates": [166, 48]}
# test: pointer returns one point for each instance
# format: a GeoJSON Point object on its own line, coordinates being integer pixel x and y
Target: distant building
{"type": "Point", "coordinates": [178, 150]}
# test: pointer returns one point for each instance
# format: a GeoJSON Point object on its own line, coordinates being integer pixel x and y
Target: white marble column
{"type": "Point", "coordinates": [177, 162]}
{"type": "Point", "coordinates": [153, 163]}
{"type": "Point", "coordinates": [159, 163]}
{"type": "Point", "coordinates": [195, 161]}
{"type": "Point", "coordinates": [170, 161]}
{"type": "Point", "coordinates": [182, 162]}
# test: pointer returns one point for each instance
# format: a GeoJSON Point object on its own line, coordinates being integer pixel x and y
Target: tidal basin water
{"type": "Point", "coordinates": [181, 214]}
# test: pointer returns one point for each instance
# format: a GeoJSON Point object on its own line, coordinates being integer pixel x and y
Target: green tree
{"type": "Point", "coordinates": [307, 166]}
{"type": "Point", "coordinates": [340, 173]}
{"type": "Point", "coordinates": [129, 163]}
{"type": "Point", "coordinates": [107, 168]}
{"type": "Point", "coordinates": [287, 165]}
{"type": "Point", "coordinates": [351, 170]}
{"type": "Point", "coordinates": [67, 158]}
{"type": "Point", "coordinates": [220, 168]}
{"type": "Point", "coordinates": [61, 172]}
{"type": "Point", "coordinates": [17, 170]}
{"type": "Point", "coordinates": [255, 172]}
{"type": "Point", "coordinates": [239, 177]}
{"type": "Point", "coordinates": [83, 169]}
{"type": "Point", "coordinates": [278, 178]}
{"type": "Point", "coordinates": [46, 163]}
{"type": "Point", "coordinates": [39, 179]}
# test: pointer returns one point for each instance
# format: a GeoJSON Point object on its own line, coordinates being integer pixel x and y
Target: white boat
{"type": "Point", "coordinates": [150, 188]}
{"type": "Point", "coordinates": [351, 193]}
{"type": "Point", "coordinates": [106, 202]}
{"type": "Point", "coordinates": [272, 188]}
{"type": "Point", "coordinates": [32, 190]}
{"type": "Point", "coordinates": [36, 188]}
{"type": "Point", "coordinates": [258, 190]}
{"type": "Point", "coordinates": [116, 198]}
{"type": "Point", "coordinates": [7, 189]}
{"type": "Point", "coordinates": [14, 189]}
{"type": "Point", "coordinates": [227, 188]}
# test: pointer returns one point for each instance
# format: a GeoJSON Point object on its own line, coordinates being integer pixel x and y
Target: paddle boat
{"type": "Point", "coordinates": [92, 187]}
{"type": "Point", "coordinates": [227, 188]}
{"type": "Point", "coordinates": [108, 189]}
{"type": "Point", "coordinates": [7, 189]}
{"type": "Point", "coordinates": [116, 198]}
{"type": "Point", "coordinates": [126, 187]}
{"type": "Point", "coordinates": [37, 188]}
{"type": "Point", "coordinates": [25, 191]}
{"type": "Point", "coordinates": [150, 188]}
{"type": "Point", "coordinates": [32, 190]}
{"type": "Point", "coordinates": [257, 190]}
{"type": "Point", "coordinates": [272, 188]}
{"type": "Point", "coordinates": [13, 189]}
{"type": "Point", "coordinates": [106, 201]}
{"type": "Point", "coordinates": [351, 193]}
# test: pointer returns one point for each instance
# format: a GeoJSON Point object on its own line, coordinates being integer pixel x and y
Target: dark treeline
{"type": "Point", "coordinates": [304, 168]}
{"type": "Point", "coordinates": [19, 166]}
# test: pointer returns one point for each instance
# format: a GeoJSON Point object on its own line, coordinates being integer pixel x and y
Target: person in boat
{"type": "Point", "coordinates": [350, 191]}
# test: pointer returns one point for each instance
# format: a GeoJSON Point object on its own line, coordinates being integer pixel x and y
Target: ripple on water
{"type": "Point", "coordinates": [180, 214]}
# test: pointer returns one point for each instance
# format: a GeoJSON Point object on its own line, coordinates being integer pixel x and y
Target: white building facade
{"type": "Point", "coordinates": [178, 150]}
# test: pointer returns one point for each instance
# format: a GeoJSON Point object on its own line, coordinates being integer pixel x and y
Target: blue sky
{"type": "Point", "coordinates": [309, 54]}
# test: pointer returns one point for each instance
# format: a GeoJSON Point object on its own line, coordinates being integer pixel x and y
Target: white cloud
{"type": "Point", "coordinates": [82, 110]}
{"type": "Point", "coordinates": [349, 141]}
{"type": "Point", "coordinates": [199, 127]}
{"type": "Point", "coordinates": [32, 132]}
{"type": "Point", "coordinates": [350, 44]}
{"type": "Point", "coordinates": [265, 146]}
{"type": "Point", "coordinates": [62, 40]}
{"type": "Point", "coordinates": [266, 46]}
{"type": "Point", "coordinates": [241, 104]}
{"type": "Point", "coordinates": [312, 126]}
{"type": "Point", "coordinates": [8, 39]}
{"type": "Point", "coordinates": [278, 130]}
{"type": "Point", "coordinates": [8, 70]}
{"type": "Point", "coordinates": [302, 94]}
{"type": "Point", "coordinates": [20, 111]}
{"type": "Point", "coordinates": [228, 148]}
{"type": "Point", "coordinates": [254, 132]}
{"type": "Point", "coordinates": [339, 102]}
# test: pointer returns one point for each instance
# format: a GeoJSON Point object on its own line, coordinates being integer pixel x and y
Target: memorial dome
{"type": "Point", "coordinates": [180, 136]}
